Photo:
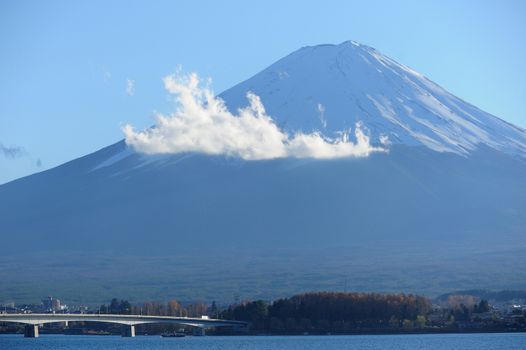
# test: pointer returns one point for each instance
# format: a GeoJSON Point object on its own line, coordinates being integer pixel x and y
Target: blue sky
{"type": "Point", "coordinates": [65, 65]}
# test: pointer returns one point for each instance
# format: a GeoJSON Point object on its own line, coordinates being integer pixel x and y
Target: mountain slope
{"type": "Point", "coordinates": [450, 192]}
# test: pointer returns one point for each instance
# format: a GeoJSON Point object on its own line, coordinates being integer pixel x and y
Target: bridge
{"type": "Point", "coordinates": [33, 321]}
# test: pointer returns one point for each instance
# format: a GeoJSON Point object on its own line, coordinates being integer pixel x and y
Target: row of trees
{"type": "Point", "coordinates": [465, 313]}
{"type": "Point", "coordinates": [329, 311]}
{"type": "Point", "coordinates": [171, 308]}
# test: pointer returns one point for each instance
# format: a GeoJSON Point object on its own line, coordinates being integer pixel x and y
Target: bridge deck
{"type": "Point", "coordinates": [131, 320]}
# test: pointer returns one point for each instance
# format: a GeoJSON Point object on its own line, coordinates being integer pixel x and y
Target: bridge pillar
{"type": "Point", "coordinates": [31, 331]}
{"type": "Point", "coordinates": [128, 331]}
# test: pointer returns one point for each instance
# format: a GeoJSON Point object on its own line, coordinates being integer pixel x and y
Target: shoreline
{"type": "Point", "coordinates": [386, 332]}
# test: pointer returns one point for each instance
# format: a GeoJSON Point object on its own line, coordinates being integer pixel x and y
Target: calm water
{"type": "Point", "coordinates": [508, 341]}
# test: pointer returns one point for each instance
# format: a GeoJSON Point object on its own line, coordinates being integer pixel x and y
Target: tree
{"type": "Point", "coordinates": [114, 306]}
{"type": "Point", "coordinates": [420, 321]}
{"type": "Point", "coordinates": [291, 324]}
{"type": "Point", "coordinates": [174, 308]}
{"type": "Point", "coordinates": [305, 324]}
{"type": "Point", "coordinates": [213, 311]}
{"type": "Point", "coordinates": [276, 324]}
{"type": "Point", "coordinates": [323, 325]}
{"type": "Point", "coordinates": [124, 307]}
{"type": "Point", "coordinates": [483, 306]}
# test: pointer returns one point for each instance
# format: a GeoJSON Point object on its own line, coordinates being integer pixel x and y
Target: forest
{"type": "Point", "coordinates": [332, 312]}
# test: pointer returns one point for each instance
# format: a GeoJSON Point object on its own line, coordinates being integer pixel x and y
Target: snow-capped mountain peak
{"type": "Point", "coordinates": [329, 88]}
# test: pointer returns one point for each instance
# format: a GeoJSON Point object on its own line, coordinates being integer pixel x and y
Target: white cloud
{"type": "Point", "coordinates": [203, 124]}
{"type": "Point", "coordinates": [130, 87]}
{"type": "Point", "coordinates": [321, 110]}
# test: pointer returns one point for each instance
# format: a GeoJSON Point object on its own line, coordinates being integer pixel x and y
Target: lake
{"type": "Point", "coordinates": [508, 341]}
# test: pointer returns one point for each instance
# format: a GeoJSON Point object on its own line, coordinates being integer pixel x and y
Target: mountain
{"type": "Point", "coordinates": [442, 210]}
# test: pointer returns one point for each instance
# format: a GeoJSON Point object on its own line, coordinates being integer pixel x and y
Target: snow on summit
{"type": "Point", "coordinates": [330, 88]}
